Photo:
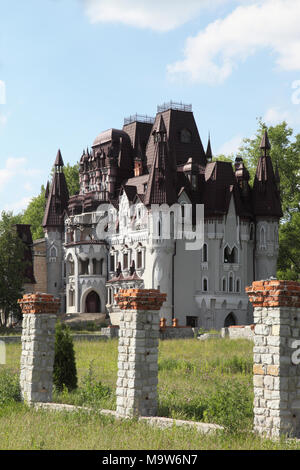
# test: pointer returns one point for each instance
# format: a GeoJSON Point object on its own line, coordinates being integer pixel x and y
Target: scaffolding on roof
{"type": "Point", "coordinates": [174, 105]}
{"type": "Point", "coordinates": [139, 118]}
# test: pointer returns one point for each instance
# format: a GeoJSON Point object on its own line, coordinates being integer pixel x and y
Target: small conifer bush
{"type": "Point", "coordinates": [64, 369]}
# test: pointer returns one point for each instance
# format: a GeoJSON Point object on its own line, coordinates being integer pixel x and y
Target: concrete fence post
{"type": "Point", "coordinates": [138, 351]}
{"type": "Point", "coordinates": [276, 369]}
{"type": "Point", "coordinates": [38, 340]}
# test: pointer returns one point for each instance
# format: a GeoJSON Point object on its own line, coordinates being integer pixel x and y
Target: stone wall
{"type": "Point", "coordinates": [238, 331]}
{"type": "Point", "coordinates": [38, 339]}
{"type": "Point", "coordinates": [138, 351]}
{"type": "Point", "coordinates": [276, 369]}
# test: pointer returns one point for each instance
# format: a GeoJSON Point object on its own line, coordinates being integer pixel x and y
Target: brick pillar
{"type": "Point", "coordinates": [276, 357]}
{"type": "Point", "coordinates": [38, 338]}
{"type": "Point", "coordinates": [138, 351]}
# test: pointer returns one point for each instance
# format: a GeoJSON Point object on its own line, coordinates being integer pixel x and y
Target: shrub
{"type": "Point", "coordinates": [64, 368]}
{"type": "Point", "coordinates": [9, 387]}
{"type": "Point", "coordinates": [231, 405]}
{"type": "Point", "coordinates": [92, 391]}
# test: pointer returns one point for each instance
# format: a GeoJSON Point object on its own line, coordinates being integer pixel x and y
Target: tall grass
{"type": "Point", "coordinates": [208, 381]}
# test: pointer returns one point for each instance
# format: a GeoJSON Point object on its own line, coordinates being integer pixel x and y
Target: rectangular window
{"type": "Point", "coordinates": [112, 263]}
{"type": "Point", "coordinates": [139, 259]}
{"type": "Point", "coordinates": [192, 321]}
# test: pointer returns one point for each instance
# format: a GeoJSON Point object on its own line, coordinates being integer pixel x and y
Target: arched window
{"type": "Point", "coordinates": [230, 256]}
{"type": "Point", "coordinates": [205, 284]}
{"type": "Point", "coordinates": [71, 298]}
{"type": "Point", "coordinates": [238, 285]}
{"type": "Point", "coordinates": [172, 226]}
{"type": "Point", "coordinates": [230, 283]}
{"type": "Point", "coordinates": [84, 267]}
{"type": "Point", "coordinates": [224, 287]}
{"type": "Point", "coordinates": [53, 253]}
{"type": "Point", "coordinates": [204, 253]}
{"type": "Point", "coordinates": [262, 237]}
{"type": "Point", "coordinates": [71, 267]}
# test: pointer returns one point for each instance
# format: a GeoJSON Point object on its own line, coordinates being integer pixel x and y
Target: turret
{"type": "Point", "coordinates": [267, 211]}
{"type": "Point", "coordinates": [53, 225]}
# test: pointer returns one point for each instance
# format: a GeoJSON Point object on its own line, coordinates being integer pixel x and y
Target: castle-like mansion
{"type": "Point", "coordinates": [106, 237]}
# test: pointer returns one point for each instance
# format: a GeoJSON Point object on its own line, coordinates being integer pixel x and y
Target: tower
{"type": "Point", "coordinates": [53, 225]}
{"type": "Point", "coordinates": [267, 211]}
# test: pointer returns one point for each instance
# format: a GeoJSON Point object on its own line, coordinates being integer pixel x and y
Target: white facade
{"type": "Point", "coordinates": [205, 286]}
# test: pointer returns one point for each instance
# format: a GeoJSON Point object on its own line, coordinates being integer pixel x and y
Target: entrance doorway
{"type": "Point", "coordinates": [92, 303]}
{"type": "Point", "coordinates": [230, 320]}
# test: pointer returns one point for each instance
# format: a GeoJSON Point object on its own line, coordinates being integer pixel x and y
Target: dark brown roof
{"type": "Point", "coordinates": [59, 160]}
{"type": "Point", "coordinates": [266, 196]}
{"type": "Point", "coordinates": [175, 121]}
{"type": "Point", "coordinates": [161, 188]}
{"type": "Point", "coordinates": [57, 201]}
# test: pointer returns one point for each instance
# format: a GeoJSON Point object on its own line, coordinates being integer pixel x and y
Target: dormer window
{"type": "Point", "coordinates": [185, 136]}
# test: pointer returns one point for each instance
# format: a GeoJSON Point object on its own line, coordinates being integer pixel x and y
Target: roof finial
{"type": "Point", "coordinates": [208, 150]}
{"type": "Point", "coordinates": [265, 143]}
{"type": "Point", "coordinates": [59, 160]}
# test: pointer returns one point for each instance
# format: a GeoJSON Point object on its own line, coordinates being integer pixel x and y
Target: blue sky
{"type": "Point", "coordinates": [70, 69]}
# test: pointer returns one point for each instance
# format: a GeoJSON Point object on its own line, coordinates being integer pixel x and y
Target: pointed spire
{"type": "Point", "coordinates": [47, 190]}
{"type": "Point", "coordinates": [208, 150]}
{"type": "Point", "coordinates": [266, 196]}
{"type": "Point", "coordinates": [59, 160]}
{"type": "Point", "coordinates": [265, 143]}
{"type": "Point", "coordinates": [161, 183]}
{"type": "Point", "coordinates": [57, 197]}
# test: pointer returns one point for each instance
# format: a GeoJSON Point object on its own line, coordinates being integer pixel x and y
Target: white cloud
{"type": "Point", "coordinates": [276, 115]}
{"type": "Point", "coordinates": [159, 15]}
{"type": "Point", "coordinates": [18, 206]}
{"type": "Point", "coordinates": [231, 146]}
{"type": "Point", "coordinates": [212, 55]}
{"type": "Point", "coordinates": [16, 167]}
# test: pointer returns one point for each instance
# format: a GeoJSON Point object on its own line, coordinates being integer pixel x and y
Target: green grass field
{"type": "Point", "coordinates": [204, 381]}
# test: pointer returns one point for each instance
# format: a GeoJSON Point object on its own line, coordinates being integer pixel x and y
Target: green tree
{"type": "Point", "coordinates": [285, 154]}
{"type": "Point", "coordinates": [64, 368]}
{"type": "Point", "coordinates": [12, 267]}
{"type": "Point", "coordinates": [72, 178]}
{"type": "Point", "coordinates": [34, 213]}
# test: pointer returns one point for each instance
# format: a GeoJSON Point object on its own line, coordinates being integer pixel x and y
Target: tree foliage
{"type": "Point", "coordinates": [64, 368]}
{"type": "Point", "coordinates": [12, 267]}
{"type": "Point", "coordinates": [34, 213]}
{"type": "Point", "coordinates": [285, 154]}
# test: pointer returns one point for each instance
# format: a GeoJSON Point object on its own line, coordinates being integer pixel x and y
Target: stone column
{"type": "Point", "coordinates": [38, 339]}
{"type": "Point", "coordinates": [138, 351]}
{"type": "Point", "coordinates": [276, 357]}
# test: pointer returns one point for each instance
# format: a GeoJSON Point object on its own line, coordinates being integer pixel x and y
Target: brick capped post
{"type": "Point", "coordinates": [38, 339]}
{"type": "Point", "coordinates": [276, 350]}
{"type": "Point", "coordinates": [138, 351]}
